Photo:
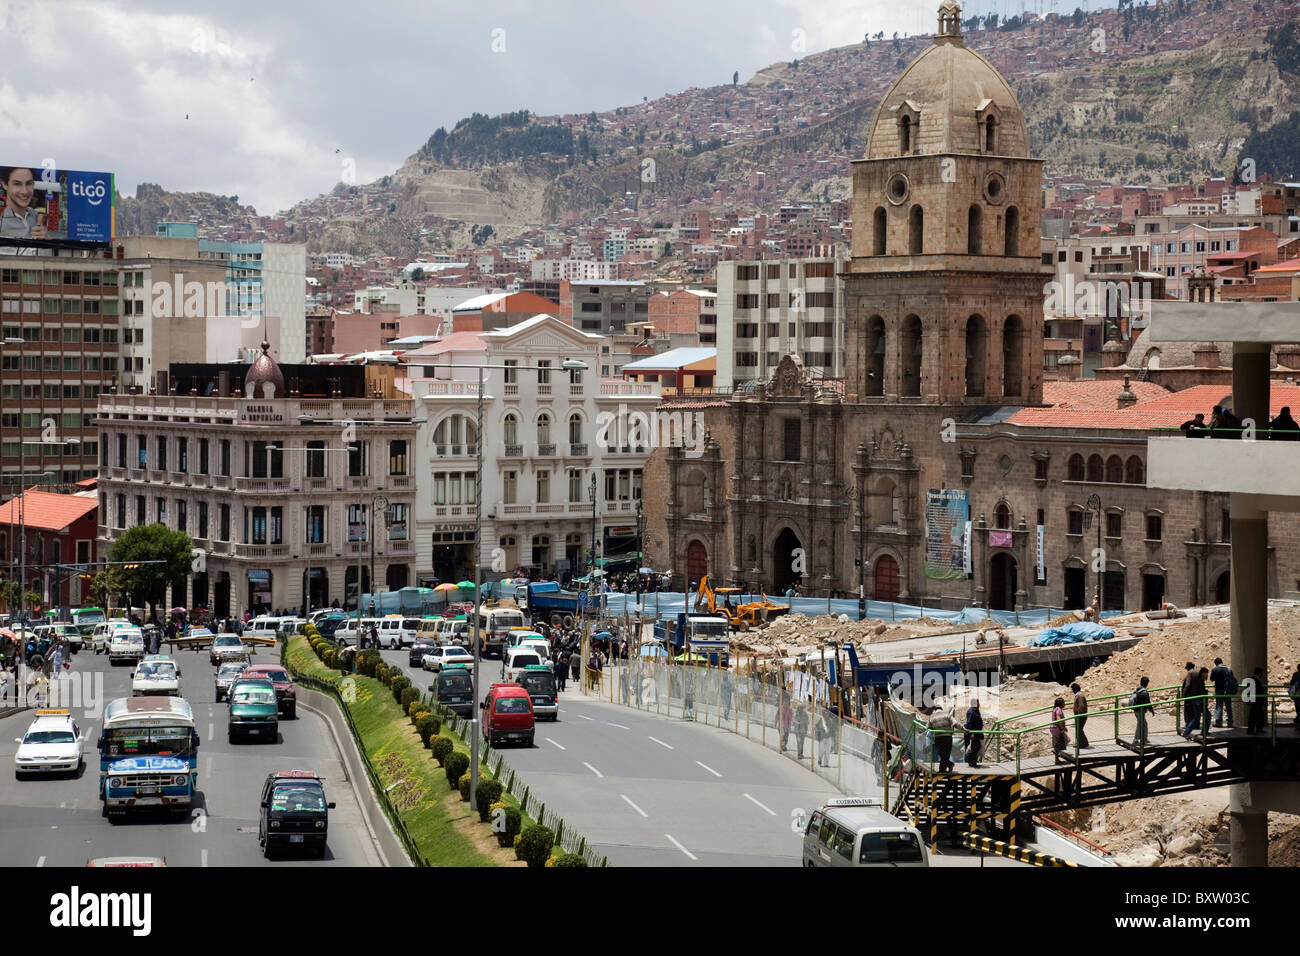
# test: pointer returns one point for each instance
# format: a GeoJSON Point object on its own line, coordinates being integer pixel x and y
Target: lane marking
{"type": "Point", "coordinates": [203, 858]}
{"type": "Point", "coordinates": [709, 769]}
{"type": "Point", "coordinates": [634, 806]}
{"type": "Point", "coordinates": [662, 744]}
{"type": "Point", "coordinates": [619, 726]}
{"type": "Point", "coordinates": [680, 847]}
{"type": "Point", "coordinates": [63, 805]}
{"type": "Point", "coordinates": [593, 770]}
{"type": "Point", "coordinates": [40, 861]}
{"type": "Point", "coordinates": [585, 717]}
{"type": "Point", "coordinates": [761, 806]}
{"type": "Point", "coordinates": [561, 746]}
{"type": "Point", "coordinates": [212, 731]}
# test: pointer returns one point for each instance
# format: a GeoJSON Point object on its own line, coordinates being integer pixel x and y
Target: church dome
{"type": "Point", "coordinates": [264, 379]}
{"type": "Point", "coordinates": [948, 100]}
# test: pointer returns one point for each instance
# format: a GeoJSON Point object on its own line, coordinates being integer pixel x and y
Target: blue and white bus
{"type": "Point", "coordinates": [148, 755]}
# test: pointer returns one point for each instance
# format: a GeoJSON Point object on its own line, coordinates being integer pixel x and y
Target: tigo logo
{"type": "Point", "coordinates": [92, 192]}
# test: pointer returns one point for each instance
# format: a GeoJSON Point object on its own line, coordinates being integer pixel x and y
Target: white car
{"type": "Point", "coordinates": [126, 644]}
{"type": "Point", "coordinates": [516, 660]}
{"type": "Point", "coordinates": [227, 647]}
{"type": "Point", "coordinates": [156, 675]}
{"type": "Point", "coordinates": [103, 633]}
{"type": "Point", "coordinates": [53, 744]}
{"type": "Point", "coordinates": [438, 656]}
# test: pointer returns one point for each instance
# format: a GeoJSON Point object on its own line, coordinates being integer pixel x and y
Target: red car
{"type": "Point", "coordinates": [285, 694]}
{"type": "Point", "coordinates": [508, 714]}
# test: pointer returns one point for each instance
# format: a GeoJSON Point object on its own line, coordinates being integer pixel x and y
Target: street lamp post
{"type": "Point", "coordinates": [640, 541]}
{"type": "Point", "coordinates": [568, 365]}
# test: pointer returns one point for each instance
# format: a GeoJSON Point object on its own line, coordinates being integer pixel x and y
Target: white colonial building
{"type": "Point", "coordinates": [548, 431]}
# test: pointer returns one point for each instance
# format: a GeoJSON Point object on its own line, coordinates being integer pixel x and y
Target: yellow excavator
{"type": "Point", "coordinates": [741, 617]}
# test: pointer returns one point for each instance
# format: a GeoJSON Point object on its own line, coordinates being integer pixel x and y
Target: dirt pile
{"type": "Point", "coordinates": [799, 630]}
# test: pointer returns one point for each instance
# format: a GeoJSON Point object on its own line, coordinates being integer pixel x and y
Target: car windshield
{"type": "Point", "coordinates": [49, 737]}
{"type": "Point", "coordinates": [512, 705]}
{"type": "Point", "coordinates": [890, 848]}
{"type": "Point", "coordinates": [538, 682]}
{"type": "Point", "coordinates": [255, 695]}
{"type": "Point", "coordinates": [523, 660]}
{"type": "Point", "coordinates": [230, 670]}
{"type": "Point", "coordinates": [279, 676]}
{"type": "Point", "coordinates": [296, 798]}
{"type": "Point", "coordinates": [156, 670]}
{"type": "Point", "coordinates": [455, 683]}
{"type": "Point", "coordinates": [226, 642]}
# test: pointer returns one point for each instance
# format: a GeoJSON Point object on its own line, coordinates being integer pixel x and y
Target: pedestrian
{"type": "Point", "coordinates": [689, 693]}
{"type": "Point", "coordinates": [1141, 702]}
{"type": "Point", "coordinates": [56, 658]}
{"type": "Point", "coordinates": [784, 718]}
{"type": "Point", "coordinates": [1284, 427]}
{"type": "Point", "coordinates": [1060, 736]}
{"type": "Point", "coordinates": [942, 725]}
{"type": "Point", "coordinates": [973, 738]}
{"type": "Point", "coordinates": [575, 665]}
{"type": "Point", "coordinates": [1194, 427]}
{"type": "Point", "coordinates": [1225, 687]}
{"type": "Point", "coordinates": [1293, 691]}
{"type": "Point", "coordinates": [622, 684]}
{"type": "Point", "coordinates": [823, 734]}
{"type": "Point", "coordinates": [1230, 423]}
{"type": "Point", "coordinates": [726, 695]}
{"type": "Point", "coordinates": [561, 670]}
{"type": "Point", "coordinates": [1256, 694]}
{"type": "Point", "coordinates": [800, 726]}
{"type": "Point", "coordinates": [1080, 715]}
{"type": "Point", "coordinates": [1198, 706]}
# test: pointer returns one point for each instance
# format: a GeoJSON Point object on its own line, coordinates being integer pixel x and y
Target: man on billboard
{"type": "Point", "coordinates": [19, 219]}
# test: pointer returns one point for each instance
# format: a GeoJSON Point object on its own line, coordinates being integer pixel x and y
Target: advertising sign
{"type": "Point", "coordinates": [55, 206]}
{"type": "Point", "coordinates": [946, 513]}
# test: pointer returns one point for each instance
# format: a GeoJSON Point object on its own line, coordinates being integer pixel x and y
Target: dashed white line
{"type": "Point", "coordinates": [212, 730]}
{"type": "Point", "coordinates": [662, 744]}
{"type": "Point", "coordinates": [709, 769]}
{"type": "Point", "coordinates": [619, 726]}
{"type": "Point", "coordinates": [680, 847]}
{"type": "Point", "coordinates": [761, 806]}
{"type": "Point", "coordinates": [561, 746]}
{"type": "Point", "coordinates": [203, 857]}
{"type": "Point", "coordinates": [634, 806]}
{"type": "Point", "coordinates": [585, 717]}
{"type": "Point", "coordinates": [40, 861]}
{"type": "Point", "coordinates": [593, 770]}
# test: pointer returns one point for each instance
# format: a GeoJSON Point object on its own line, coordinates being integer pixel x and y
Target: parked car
{"type": "Point", "coordinates": [293, 812]}
{"type": "Point", "coordinates": [328, 626]}
{"type": "Point", "coordinates": [226, 674]}
{"type": "Point", "coordinates": [285, 692]}
{"type": "Point", "coordinates": [508, 715]}
{"type": "Point", "coordinates": [438, 657]}
{"type": "Point", "coordinates": [253, 710]}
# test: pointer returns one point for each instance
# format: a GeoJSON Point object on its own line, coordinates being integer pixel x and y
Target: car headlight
{"type": "Point", "coordinates": [320, 824]}
{"type": "Point", "coordinates": [274, 823]}
{"type": "Point", "coordinates": [114, 783]}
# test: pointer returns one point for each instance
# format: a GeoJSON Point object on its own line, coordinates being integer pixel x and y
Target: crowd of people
{"type": "Point", "coordinates": [1228, 425]}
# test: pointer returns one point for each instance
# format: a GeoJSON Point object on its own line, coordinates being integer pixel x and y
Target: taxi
{"type": "Point", "coordinates": [52, 744]}
{"type": "Point", "coordinates": [156, 675]}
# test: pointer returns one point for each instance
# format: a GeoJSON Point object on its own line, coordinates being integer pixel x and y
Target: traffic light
{"type": "Point", "coordinates": [128, 567]}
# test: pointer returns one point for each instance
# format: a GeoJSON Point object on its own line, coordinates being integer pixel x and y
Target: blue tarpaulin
{"type": "Point", "coordinates": [1076, 633]}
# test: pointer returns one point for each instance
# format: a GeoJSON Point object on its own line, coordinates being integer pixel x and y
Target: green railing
{"type": "Point", "coordinates": [1010, 743]}
{"type": "Point", "coordinates": [1261, 433]}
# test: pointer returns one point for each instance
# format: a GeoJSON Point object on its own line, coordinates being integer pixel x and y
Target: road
{"type": "Point", "coordinates": [649, 791]}
{"type": "Point", "coordinates": [57, 822]}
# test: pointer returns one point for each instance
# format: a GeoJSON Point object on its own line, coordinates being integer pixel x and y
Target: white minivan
{"type": "Point", "coordinates": [856, 831]}
{"type": "Point", "coordinates": [265, 627]}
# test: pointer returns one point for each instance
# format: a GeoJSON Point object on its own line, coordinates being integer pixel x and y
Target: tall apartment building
{"type": "Point", "coordinates": [64, 310]}
{"type": "Point", "coordinates": [546, 434]}
{"type": "Point", "coordinates": [604, 307]}
{"type": "Point", "coordinates": [777, 307]}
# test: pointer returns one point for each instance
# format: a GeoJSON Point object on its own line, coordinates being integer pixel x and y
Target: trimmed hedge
{"type": "Point", "coordinates": [464, 788]}
{"type": "Point", "coordinates": [442, 748]}
{"type": "Point", "coordinates": [455, 764]}
{"type": "Point", "coordinates": [567, 859]}
{"type": "Point", "coordinates": [407, 696]}
{"type": "Point", "coordinates": [488, 793]}
{"type": "Point", "coordinates": [534, 846]}
{"type": "Point", "coordinates": [427, 727]}
{"type": "Point", "coordinates": [514, 821]}
{"type": "Point", "coordinates": [397, 685]}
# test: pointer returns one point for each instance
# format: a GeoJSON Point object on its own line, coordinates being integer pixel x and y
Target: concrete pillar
{"type": "Point", "coordinates": [1250, 381]}
{"type": "Point", "coordinates": [1249, 834]}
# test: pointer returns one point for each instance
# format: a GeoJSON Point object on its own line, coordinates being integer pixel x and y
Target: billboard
{"type": "Point", "coordinates": [947, 515]}
{"type": "Point", "coordinates": [55, 207]}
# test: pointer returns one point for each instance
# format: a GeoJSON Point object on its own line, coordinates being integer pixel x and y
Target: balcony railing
{"type": "Point", "coordinates": [318, 550]}
{"type": "Point", "coordinates": [543, 390]}
{"type": "Point", "coordinates": [400, 481]}
{"type": "Point", "coordinates": [546, 451]}
{"type": "Point", "coordinates": [514, 451]}
{"type": "Point", "coordinates": [576, 391]}
{"type": "Point", "coordinates": [262, 484]}
{"type": "Point", "coordinates": [221, 481]}
{"type": "Point", "coordinates": [578, 451]}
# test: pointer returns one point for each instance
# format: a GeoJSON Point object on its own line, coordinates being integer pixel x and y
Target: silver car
{"type": "Point", "coordinates": [227, 647]}
{"type": "Point", "coordinates": [226, 675]}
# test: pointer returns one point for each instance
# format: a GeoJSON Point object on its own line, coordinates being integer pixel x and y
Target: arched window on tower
{"type": "Point", "coordinates": [974, 227]}
{"type": "Point", "coordinates": [1012, 351]}
{"type": "Point", "coordinates": [910, 357]}
{"type": "Point", "coordinates": [916, 231]}
{"type": "Point", "coordinates": [976, 355]}
{"type": "Point", "coordinates": [875, 384]}
{"type": "Point", "coordinates": [1074, 468]}
{"type": "Point", "coordinates": [878, 232]}
{"type": "Point", "coordinates": [1013, 232]}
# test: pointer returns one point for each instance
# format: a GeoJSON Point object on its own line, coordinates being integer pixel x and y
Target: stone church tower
{"type": "Point", "coordinates": [945, 285]}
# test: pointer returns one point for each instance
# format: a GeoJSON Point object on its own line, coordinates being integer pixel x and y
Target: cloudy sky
{"type": "Point", "coordinates": [268, 99]}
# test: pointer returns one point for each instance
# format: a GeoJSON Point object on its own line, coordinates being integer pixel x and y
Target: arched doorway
{"type": "Point", "coordinates": [886, 581]}
{"type": "Point", "coordinates": [697, 562]}
{"type": "Point", "coordinates": [1223, 588]}
{"type": "Point", "coordinates": [785, 574]}
{"type": "Point", "coordinates": [1002, 582]}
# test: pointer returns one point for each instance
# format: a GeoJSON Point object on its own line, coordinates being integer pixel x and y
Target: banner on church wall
{"type": "Point", "coordinates": [947, 514]}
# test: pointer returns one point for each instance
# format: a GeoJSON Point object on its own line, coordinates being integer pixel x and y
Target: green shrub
{"type": "Point", "coordinates": [569, 859]}
{"type": "Point", "coordinates": [514, 820]}
{"type": "Point", "coordinates": [427, 727]}
{"type": "Point", "coordinates": [455, 764]}
{"type": "Point", "coordinates": [464, 788]}
{"type": "Point", "coordinates": [488, 793]}
{"type": "Point", "coordinates": [381, 672]}
{"type": "Point", "coordinates": [437, 723]}
{"type": "Point", "coordinates": [442, 748]}
{"type": "Point", "coordinates": [409, 695]}
{"type": "Point", "coordinates": [535, 845]}
{"type": "Point", "coordinates": [398, 685]}
{"type": "Point", "coordinates": [368, 662]}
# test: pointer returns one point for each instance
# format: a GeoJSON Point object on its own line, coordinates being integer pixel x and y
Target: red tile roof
{"type": "Point", "coordinates": [1095, 393]}
{"type": "Point", "coordinates": [1167, 411]}
{"type": "Point", "coordinates": [47, 511]}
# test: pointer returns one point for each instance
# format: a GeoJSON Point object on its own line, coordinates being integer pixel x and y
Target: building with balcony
{"type": "Point", "coordinates": [776, 307]}
{"type": "Point", "coordinates": [548, 431]}
{"type": "Point", "coordinates": [275, 507]}
{"type": "Point", "coordinates": [59, 530]}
